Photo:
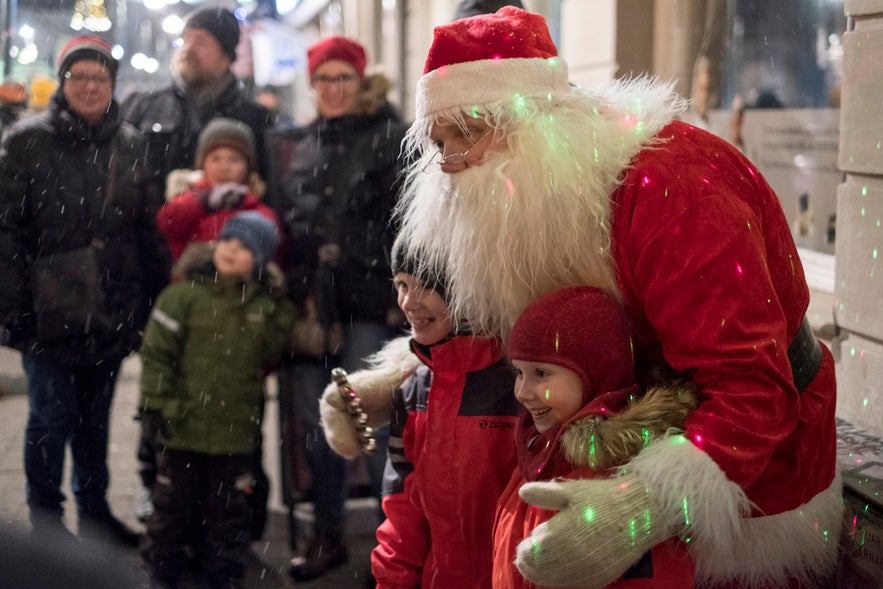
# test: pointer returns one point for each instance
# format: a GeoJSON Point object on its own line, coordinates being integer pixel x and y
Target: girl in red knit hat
{"type": "Point", "coordinates": [584, 416]}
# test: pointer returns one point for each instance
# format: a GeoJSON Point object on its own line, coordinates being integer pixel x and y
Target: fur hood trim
{"type": "Point", "coordinates": [375, 386]}
{"type": "Point", "coordinates": [199, 253]}
{"type": "Point", "coordinates": [604, 443]}
{"type": "Point", "coordinates": [374, 93]}
{"type": "Point", "coordinates": [730, 547]}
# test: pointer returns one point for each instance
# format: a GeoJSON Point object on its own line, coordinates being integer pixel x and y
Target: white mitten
{"type": "Point", "coordinates": [225, 196]}
{"type": "Point", "coordinates": [603, 528]}
{"type": "Point", "coordinates": [181, 180]}
{"type": "Point", "coordinates": [375, 387]}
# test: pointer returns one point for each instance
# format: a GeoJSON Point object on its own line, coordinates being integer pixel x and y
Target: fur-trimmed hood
{"type": "Point", "coordinates": [606, 433]}
{"type": "Point", "coordinates": [607, 442]}
{"type": "Point", "coordinates": [373, 95]}
{"type": "Point", "coordinates": [196, 260]}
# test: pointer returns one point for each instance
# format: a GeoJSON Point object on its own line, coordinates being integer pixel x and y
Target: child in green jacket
{"type": "Point", "coordinates": [208, 345]}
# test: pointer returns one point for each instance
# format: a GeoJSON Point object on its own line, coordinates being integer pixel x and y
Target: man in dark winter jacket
{"type": "Point", "coordinates": [204, 88]}
{"type": "Point", "coordinates": [171, 120]}
{"type": "Point", "coordinates": [82, 261]}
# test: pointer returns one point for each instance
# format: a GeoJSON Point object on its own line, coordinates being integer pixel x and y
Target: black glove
{"type": "Point", "coordinates": [154, 426]}
{"type": "Point", "coordinates": [18, 330]}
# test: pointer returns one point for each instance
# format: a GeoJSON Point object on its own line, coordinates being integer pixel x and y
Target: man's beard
{"type": "Point", "coordinates": [508, 231]}
{"type": "Point", "coordinates": [189, 72]}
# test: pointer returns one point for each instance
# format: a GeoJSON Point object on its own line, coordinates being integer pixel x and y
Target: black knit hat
{"type": "Point", "coordinates": [222, 25]}
{"type": "Point", "coordinates": [468, 8]}
{"type": "Point", "coordinates": [400, 261]}
{"type": "Point", "coordinates": [224, 132]}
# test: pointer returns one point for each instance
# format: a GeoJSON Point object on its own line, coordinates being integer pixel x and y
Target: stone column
{"type": "Point", "coordinates": [858, 289]}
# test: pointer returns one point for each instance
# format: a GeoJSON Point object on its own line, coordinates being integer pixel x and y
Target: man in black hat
{"type": "Point", "coordinates": [171, 119]}
{"type": "Point", "coordinates": [203, 88]}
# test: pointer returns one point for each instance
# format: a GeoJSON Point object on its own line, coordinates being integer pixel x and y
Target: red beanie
{"type": "Point", "coordinates": [337, 48]}
{"type": "Point", "coordinates": [580, 328]}
{"type": "Point", "coordinates": [490, 58]}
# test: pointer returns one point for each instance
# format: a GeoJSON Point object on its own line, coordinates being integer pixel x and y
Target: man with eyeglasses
{"type": "Point", "coordinates": [73, 185]}
{"type": "Point", "coordinates": [336, 204]}
{"type": "Point", "coordinates": [171, 119]}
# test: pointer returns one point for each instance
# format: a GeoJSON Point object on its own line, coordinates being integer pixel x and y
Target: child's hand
{"type": "Point", "coordinates": [225, 196]}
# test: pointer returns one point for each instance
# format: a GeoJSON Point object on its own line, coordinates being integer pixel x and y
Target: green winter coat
{"type": "Point", "coordinates": [207, 347]}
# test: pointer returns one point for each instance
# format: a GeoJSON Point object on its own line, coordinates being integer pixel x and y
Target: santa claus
{"type": "Point", "coordinates": [524, 183]}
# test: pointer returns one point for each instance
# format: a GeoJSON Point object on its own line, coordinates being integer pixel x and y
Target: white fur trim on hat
{"type": "Point", "coordinates": [490, 81]}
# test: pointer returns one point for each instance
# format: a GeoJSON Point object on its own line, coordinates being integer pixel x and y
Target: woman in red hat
{"type": "Point", "coordinates": [336, 206]}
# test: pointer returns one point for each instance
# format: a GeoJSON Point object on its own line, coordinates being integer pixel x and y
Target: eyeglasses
{"type": "Point", "coordinates": [81, 79]}
{"type": "Point", "coordinates": [342, 79]}
{"type": "Point", "coordinates": [454, 159]}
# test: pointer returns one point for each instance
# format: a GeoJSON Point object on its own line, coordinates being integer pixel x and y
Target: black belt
{"type": "Point", "coordinates": [805, 355]}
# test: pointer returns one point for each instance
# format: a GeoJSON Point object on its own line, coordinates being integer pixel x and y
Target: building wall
{"type": "Point", "coordinates": [858, 288]}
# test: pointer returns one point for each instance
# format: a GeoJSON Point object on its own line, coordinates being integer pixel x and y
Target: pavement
{"type": "Point", "coordinates": [269, 557]}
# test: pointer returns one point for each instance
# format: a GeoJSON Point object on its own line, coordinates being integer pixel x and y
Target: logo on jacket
{"type": "Point", "coordinates": [500, 424]}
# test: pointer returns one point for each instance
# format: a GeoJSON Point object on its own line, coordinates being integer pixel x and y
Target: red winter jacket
{"type": "Point", "coordinates": [452, 449]}
{"type": "Point", "coordinates": [184, 219]}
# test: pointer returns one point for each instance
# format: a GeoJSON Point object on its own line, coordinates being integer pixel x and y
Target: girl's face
{"type": "Point", "coordinates": [552, 394]}
{"type": "Point", "coordinates": [225, 164]}
{"type": "Point", "coordinates": [424, 308]}
{"type": "Point", "coordinates": [336, 85]}
{"type": "Point", "coordinates": [459, 149]}
{"type": "Point", "coordinates": [231, 258]}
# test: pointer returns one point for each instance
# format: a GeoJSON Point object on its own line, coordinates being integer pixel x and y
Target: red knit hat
{"type": "Point", "coordinates": [580, 328]}
{"type": "Point", "coordinates": [490, 58]}
{"type": "Point", "coordinates": [337, 48]}
{"type": "Point", "coordinates": [86, 47]}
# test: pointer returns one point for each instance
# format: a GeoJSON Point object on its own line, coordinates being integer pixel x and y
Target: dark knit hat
{"type": "Point", "coordinates": [256, 232]}
{"type": "Point", "coordinates": [224, 132]}
{"type": "Point", "coordinates": [468, 8]}
{"type": "Point", "coordinates": [222, 25]}
{"type": "Point", "coordinates": [86, 47]}
{"type": "Point", "coordinates": [580, 328]}
{"type": "Point", "coordinates": [400, 261]}
{"type": "Point", "coordinates": [337, 48]}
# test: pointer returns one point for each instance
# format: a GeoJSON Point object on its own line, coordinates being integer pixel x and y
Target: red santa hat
{"type": "Point", "coordinates": [489, 59]}
{"type": "Point", "coordinates": [581, 328]}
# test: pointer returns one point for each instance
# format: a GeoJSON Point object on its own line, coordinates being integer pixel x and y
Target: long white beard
{"type": "Point", "coordinates": [535, 215]}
